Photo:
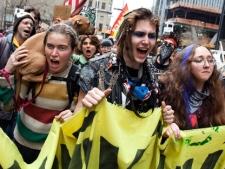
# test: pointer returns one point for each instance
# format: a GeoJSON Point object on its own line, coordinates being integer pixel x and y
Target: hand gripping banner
{"type": "Point", "coordinates": [199, 148]}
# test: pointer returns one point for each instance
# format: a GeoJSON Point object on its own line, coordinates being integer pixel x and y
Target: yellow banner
{"type": "Point", "coordinates": [109, 136]}
{"type": "Point", "coordinates": [199, 148]}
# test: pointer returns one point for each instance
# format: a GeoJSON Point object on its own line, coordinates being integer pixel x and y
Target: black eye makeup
{"type": "Point", "coordinates": [140, 34]}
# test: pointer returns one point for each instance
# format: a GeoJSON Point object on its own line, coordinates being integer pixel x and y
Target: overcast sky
{"type": "Point", "coordinates": [132, 4]}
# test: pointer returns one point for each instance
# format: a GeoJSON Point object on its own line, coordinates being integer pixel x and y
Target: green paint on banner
{"type": "Point", "coordinates": [216, 128]}
{"type": "Point", "coordinates": [188, 142]}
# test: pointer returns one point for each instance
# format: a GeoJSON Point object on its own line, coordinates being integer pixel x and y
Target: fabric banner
{"type": "Point", "coordinates": [118, 22]}
{"type": "Point", "coordinates": [109, 136]}
{"type": "Point", "coordinates": [199, 148]}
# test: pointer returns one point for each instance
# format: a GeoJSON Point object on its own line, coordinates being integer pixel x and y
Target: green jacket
{"type": "Point", "coordinates": [79, 60]}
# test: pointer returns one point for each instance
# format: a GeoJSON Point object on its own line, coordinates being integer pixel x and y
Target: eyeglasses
{"type": "Point", "coordinates": [28, 23]}
{"type": "Point", "coordinates": [202, 62]}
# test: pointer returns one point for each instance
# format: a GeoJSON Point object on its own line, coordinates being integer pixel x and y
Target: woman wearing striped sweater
{"type": "Point", "coordinates": [35, 120]}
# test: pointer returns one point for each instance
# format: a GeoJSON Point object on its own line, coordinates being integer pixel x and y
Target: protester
{"type": "Point", "coordinates": [106, 46]}
{"type": "Point", "coordinates": [35, 119]}
{"type": "Point", "coordinates": [22, 30]}
{"type": "Point", "coordinates": [36, 15]}
{"type": "Point", "coordinates": [89, 45]}
{"type": "Point", "coordinates": [191, 86]}
{"type": "Point", "coordinates": [38, 29]}
{"type": "Point", "coordinates": [166, 51]}
{"type": "Point", "coordinates": [126, 75]}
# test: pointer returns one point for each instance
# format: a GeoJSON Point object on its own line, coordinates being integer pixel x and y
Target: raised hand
{"type": "Point", "coordinates": [167, 113]}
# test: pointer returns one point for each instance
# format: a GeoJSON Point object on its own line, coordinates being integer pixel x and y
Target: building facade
{"type": "Point", "coordinates": [195, 20]}
{"type": "Point", "coordinates": [103, 11]}
{"type": "Point", "coordinates": [46, 9]}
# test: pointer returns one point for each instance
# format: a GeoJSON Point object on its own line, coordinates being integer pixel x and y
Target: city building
{"type": "Point", "coordinates": [103, 11]}
{"type": "Point", "coordinates": [194, 20]}
{"type": "Point", "coordinates": [46, 9]}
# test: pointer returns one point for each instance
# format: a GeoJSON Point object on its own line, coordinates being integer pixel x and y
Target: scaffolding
{"type": "Point", "coordinates": [161, 7]}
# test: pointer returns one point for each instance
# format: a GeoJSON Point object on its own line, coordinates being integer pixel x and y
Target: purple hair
{"type": "Point", "coordinates": [189, 86]}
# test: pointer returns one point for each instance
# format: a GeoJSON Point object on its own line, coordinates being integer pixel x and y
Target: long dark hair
{"type": "Point", "coordinates": [127, 27]}
{"type": "Point", "coordinates": [177, 84]}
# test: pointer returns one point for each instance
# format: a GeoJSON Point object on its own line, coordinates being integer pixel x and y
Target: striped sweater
{"type": "Point", "coordinates": [35, 120]}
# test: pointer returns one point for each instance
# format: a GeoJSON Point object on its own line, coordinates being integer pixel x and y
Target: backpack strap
{"type": "Point", "coordinates": [72, 82]}
{"type": "Point", "coordinates": [33, 87]}
{"type": "Point", "coordinates": [3, 42]}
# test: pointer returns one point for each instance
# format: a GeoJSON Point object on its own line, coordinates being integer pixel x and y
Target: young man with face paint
{"type": "Point", "coordinates": [125, 78]}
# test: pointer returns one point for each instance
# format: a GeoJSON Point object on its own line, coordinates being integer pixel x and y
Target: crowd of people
{"type": "Point", "coordinates": [187, 86]}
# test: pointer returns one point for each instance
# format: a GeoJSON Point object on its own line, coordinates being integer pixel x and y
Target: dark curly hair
{"type": "Point", "coordinates": [94, 40]}
{"type": "Point", "coordinates": [174, 36]}
{"type": "Point", "coordinates": [36, 12]}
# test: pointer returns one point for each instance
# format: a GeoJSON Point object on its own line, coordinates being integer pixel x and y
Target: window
{"type": "Point", "coordinates": [103, 5]}
{"type": "Point", "coordinates": [96, 4]}
{"type": "Point", "coordinates": [90, 3]}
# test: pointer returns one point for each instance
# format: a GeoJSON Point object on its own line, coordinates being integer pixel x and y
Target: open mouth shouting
{"type": "Point", "coordinates": [27, 32]}
{"type": "Point", "coordinates": [88, 53]}
{"type": "Point", "coordinates": [142, 53]}
{"type": "Point", "coordinates": [54, 63]}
